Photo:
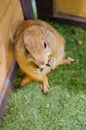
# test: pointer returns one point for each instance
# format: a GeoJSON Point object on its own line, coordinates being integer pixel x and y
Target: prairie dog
{"type": "Point", "coordinates": [38, 48]}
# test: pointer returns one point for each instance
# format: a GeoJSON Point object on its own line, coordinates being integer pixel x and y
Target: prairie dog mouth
{"type": "Point", "coordinates": [41, 69]}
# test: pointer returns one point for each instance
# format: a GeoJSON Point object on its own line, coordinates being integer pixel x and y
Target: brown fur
{"type": "Point", "coordinates": [38, 48]}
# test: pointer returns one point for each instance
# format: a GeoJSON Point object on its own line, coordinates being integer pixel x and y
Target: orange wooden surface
{"type": "Point", "coordinates": [73, 7]}
{"type": "Point", "coordinates": [10, 16]}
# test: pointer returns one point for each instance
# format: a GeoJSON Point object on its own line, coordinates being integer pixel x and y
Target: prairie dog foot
{"type": "Point", "coordinates": [45, 88]}
{"type": "Point", "coordinates": [25, 81]}
{"type": "Point", "coordinates": [69, 60]}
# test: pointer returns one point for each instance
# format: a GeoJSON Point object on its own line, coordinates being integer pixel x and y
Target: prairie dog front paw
{"type": "Point", "coordinates": [38, 70]}
{"type": "Point", "coordinates": [51, 63]}
{"type": "Point", "coordinates": [44, 70]}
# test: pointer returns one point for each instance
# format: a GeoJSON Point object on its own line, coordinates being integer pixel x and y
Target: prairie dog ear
{"type": "Point", "coordinates": [28, 40]}
{"type": "Point", "coordinates": [27, 36]}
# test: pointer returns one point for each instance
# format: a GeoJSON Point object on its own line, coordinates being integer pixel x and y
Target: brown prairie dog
{"type": "Point", "coordinates": [38, 48]}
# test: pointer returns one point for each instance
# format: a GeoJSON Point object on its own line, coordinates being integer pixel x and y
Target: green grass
{"type": "Point", "coordinates": [64, 108]}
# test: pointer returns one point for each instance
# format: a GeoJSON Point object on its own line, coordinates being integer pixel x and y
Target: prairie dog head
{"type": "Point", "coordinates": [37, 41]}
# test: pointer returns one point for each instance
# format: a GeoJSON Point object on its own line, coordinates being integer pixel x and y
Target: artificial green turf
{"type": "Point", "coordinates": [64, 108]}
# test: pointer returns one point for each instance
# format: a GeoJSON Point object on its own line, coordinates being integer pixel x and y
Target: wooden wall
{"type": "Point", "coordinates": [72, 7]}
{"type": "Point", "coordinates": [10, 16]}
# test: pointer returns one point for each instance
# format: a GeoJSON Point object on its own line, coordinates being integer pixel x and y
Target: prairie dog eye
{"type": "Point", "coordinates": [45, 45]}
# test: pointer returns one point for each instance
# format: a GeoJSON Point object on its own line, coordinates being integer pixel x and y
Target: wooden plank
{"type": "Point", "coordinates": [10, 16]}
{"type": "Point", "coordinates": [72, 7]}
